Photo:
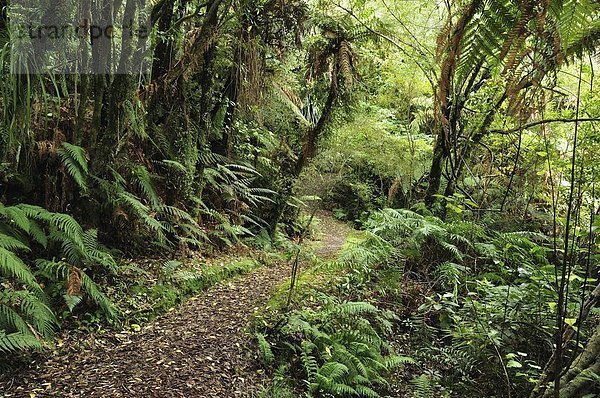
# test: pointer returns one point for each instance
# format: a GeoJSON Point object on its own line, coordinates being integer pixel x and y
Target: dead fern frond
{"type": "Point", "coordinates": [346, 63]}
{"type": "Point", "coordinates": [74, 281]}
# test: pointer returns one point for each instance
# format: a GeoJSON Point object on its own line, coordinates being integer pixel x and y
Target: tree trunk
{"type": "Point", "coordinates": [436, 171]}
{"type": "Point", "coordinates": [578, 380]}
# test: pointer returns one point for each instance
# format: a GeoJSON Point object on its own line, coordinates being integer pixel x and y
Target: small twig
{"type": "Point", "coordinates": [294, 278]}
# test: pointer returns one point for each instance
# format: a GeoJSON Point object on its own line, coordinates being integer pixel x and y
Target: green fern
{"type": "Point", "coordinates": [97, 296]}
{"type": "Point", "coordinates": [267, 355]}
{"type": "Point", "coordinates": [11, 243]}
{"type": "Point", "coordinates": [16, 217]}
{"type": "Point", "coordinates": [25, 316]}
{"type": "Point", "coordinates": [341, 348]}
{"type": "Point", "coordinates": [422, 387]}
{"type": "Point", "coordinates": [144, 181]}
{"type": "Point", "coordinates": [12, 266]}
{"type": "Point", "coordinates": [75, 161]}
{"type": "Point", "coordinates": [12, 342]}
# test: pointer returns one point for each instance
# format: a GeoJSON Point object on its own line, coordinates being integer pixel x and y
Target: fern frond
{"type": "Point", "coordinates": [11, 243]}
{"type": "Point", "coordinates": [13, 266]}
{"type": "Point", "coordinates": [18, 341]}
{"type": "Point", "coordinates": [74, 160]}
{"type": "Point", "coordinates": [97, 296]}
{"type": "Point", "coordinates": [265, 348]}
{"type": "Point", "coordinates": [395, 361]}
{"type": "Point", "coordinates": [16, 217]}
{"type": "Point", "coordinates": [37, 233]}
{"type": "Point", "coordinates": [37, 313]}
{"type": "Point", "coordinates": [355, 308]}
{"type": "Point", "coordinates": [11, 320]}
{"type": "Point", "coordinates": [422, 387]}
{"type": "Point", "coordinates": [144, 181]}
{"type": "Point", "coordinates": [309, 362]}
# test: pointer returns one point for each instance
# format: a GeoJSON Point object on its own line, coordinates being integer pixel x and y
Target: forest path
{"type": "Point", "coordinates": [199, 350]}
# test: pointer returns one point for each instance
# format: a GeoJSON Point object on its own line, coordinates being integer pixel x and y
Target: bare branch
{"type": "Point", "coordinates": [545, 121]}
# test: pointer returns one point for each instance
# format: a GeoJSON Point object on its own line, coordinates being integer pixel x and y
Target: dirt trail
{"type": "Point", "coordinates": [198, 350]}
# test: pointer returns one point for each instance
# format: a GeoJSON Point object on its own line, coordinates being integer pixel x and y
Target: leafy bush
{"type": "Point", "coordinates": [488, 293]}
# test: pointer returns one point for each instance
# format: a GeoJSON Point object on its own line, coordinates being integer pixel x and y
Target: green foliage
{"type": "Point", "coordinates": [341, 348]}
{"type": "Point", "coordinates": [205, 149]}
{"type": "Point", "coordinates": [492, 298]}
{"type": "Point", "coordinates": [173, 283]}
{"type": "Point", "coordinates": [235, 198]}
{"type": "Point", "coordinates": [139, 202]}
{"type": "Point", "coordinates": [359, 170]}
{"type": "Point", "coordinates": [422, 387]}
{"type": "Point", "coordinates": [26, 317]}
{"type": "Point", "coordinates": [267, 355]}
{"type": "Point", "coordinates": [279, 387]}
{"type": "Point", "coordinates": [75, 161]}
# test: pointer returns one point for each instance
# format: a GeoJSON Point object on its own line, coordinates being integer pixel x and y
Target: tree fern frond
{"type": "Point", "coordinates": [16, 216]}
{"type": "Point", "coordinates": [37, 233]}
{"type": "Point", "coordinates": [97, 296]}
{"type": "Point", "coordinates": [144, 181]}
{"type": "Point", "coordinates": [11, 320]}
{"type": "Point", "coordinates": [37, 313]}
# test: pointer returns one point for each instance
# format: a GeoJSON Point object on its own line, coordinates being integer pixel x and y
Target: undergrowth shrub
{"type": "Point", "coordinates": [488, 294]}
{"type": "Point", "coordinates": [339, 348]}
{"type": "Point", "coordinates": [135, 201]}
{"type": "Point", "coordinates": [32, 287]}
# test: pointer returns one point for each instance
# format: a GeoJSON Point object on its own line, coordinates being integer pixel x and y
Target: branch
{"type": "Point", "coordinates": [545, 121]}
{"type": "Point", "coordinates": [425, 70]}
{"type": "Point", "coordinates": [419, 46]}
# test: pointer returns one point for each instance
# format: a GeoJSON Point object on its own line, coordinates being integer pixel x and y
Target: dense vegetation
{"type": "Point", "coordinates": [459, 137]}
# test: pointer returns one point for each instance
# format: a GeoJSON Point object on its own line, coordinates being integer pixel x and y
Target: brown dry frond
{"type": "Point", "coordinates": [74, 281]}
{"type": "Point", "coordinates": [346, 63]}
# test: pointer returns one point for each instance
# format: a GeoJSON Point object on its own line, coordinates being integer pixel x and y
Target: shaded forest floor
{"type": "Point", "coordinates": [198, 350]}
